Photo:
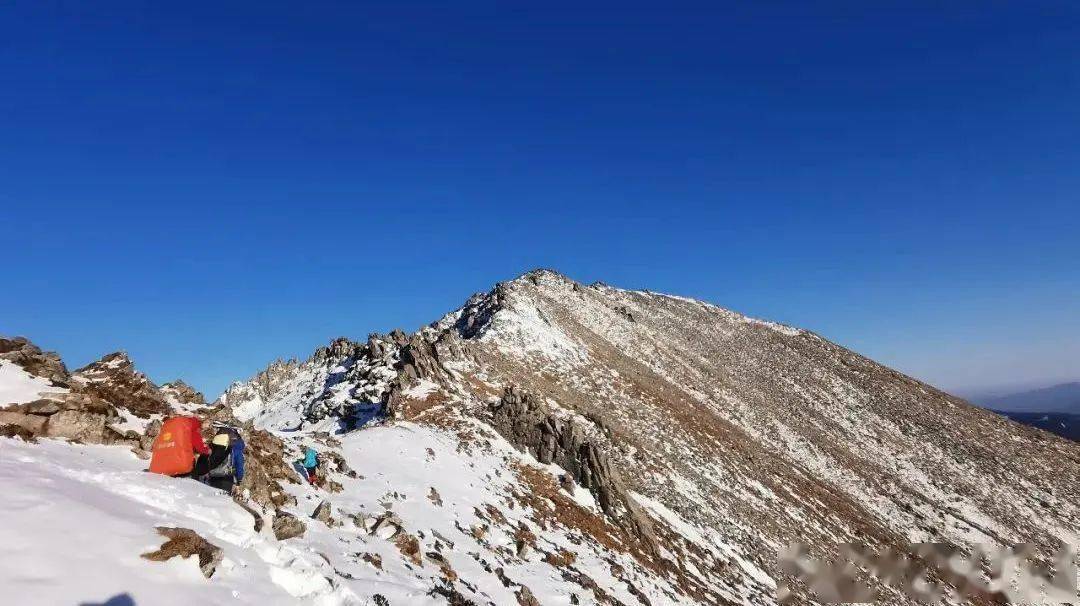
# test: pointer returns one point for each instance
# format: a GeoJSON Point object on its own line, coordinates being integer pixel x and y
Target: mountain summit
{"type": "Point", "coordinates": [552, 442]}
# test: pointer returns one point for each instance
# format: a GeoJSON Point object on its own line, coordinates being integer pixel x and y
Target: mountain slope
{"type": "Point", "coordinates": [750, 433]}
{"type": "Point", "coordinates": [557, 443]}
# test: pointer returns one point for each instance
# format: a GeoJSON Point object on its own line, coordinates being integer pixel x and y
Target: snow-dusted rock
{"type": "Point", "coordinates": [287, 526]}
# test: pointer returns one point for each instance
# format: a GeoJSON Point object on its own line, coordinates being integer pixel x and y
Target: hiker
{"type": "Point", "coordinates": [225, 464]}
{"type": "Point", "coordinates": [174, 449]}
{"type": "Point", "coordinates": [311, 463]}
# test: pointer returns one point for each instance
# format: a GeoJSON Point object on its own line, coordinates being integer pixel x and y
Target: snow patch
{"type": "Point", "coordinates": [18, 386]}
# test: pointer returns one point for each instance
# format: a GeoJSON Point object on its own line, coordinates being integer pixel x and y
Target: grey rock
{"type": "Point", "coordinates": [32, 423]}
{"type": "Point", "coordinates": [44, 406]}
{"type": "Point", "coordinates": [32, 359]}
{"type": "Point", "coordinates": [287, 526]}
{"type": "Point", "coordinates": [77, 425]}
{"type": "Point", "coordinates": [146, 441]}
{"type": "Point", "coordinates": [526, 423]}
{"type": "Point", "coordinates": [322, 513]}
{"type": "Point", "coordinates": [184, 392]}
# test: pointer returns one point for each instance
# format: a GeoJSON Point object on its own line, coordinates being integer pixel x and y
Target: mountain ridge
{"type": "Point", "coordinates": [555, 442]}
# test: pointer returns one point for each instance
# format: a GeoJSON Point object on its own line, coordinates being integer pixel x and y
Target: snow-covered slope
{"type": "Point", "coordinates": [18, 386]}
{"type": "Point", "coordinates": [423, 521]}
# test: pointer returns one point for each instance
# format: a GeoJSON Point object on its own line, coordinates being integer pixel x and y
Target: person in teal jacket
{"type": "Point", "coordinates": [311, 463]}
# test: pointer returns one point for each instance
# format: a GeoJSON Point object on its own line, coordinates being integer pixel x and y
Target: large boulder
{"type": "Point", "coordinates": [322, 513]}
{"type": "Point", "coordinates": [146, 441]}
{"type": "Point", "coordinates": [287, 526]}
{"type": "Point", "coordinates": [44, 406]}
{"type": "Point", "coordinates": [31, 423]}
{"type": "Point", "coordinates": [77, 425]}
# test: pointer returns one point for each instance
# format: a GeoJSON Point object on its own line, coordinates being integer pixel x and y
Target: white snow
{"type": "Point", "coordinates": [523, 329]}
{"type": "Point", "coordinates": [18, 386]}
{"type": "Point", "coordinates": [76, 519]}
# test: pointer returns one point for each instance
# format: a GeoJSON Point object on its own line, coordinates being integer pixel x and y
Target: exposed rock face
{"type": "Point", "coordinates": [265, 469]}
{"type": "Point", "coordinates": [36, 362]}
{"type": "Point", "coordinates": [183, 393]}
{"type": "Point", "coordinates": [530, 425]}
{"type": "Point", "coordinates": [114, 379]}
{"type": "Point", "coordinates": [78, 425]}
{"type": "Point", "coordinates": [9, 430]}
{"type": "Point", "coordinates": [183, 543]}
{"type": "Point", "coordinates": [287, 526]}
{"type": "Point", "coordinates": [34, 424]}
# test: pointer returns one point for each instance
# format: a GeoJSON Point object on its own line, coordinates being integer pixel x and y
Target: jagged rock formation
{"type": "Point", "coordinates": [566, 442]}
{"type": "Point", "coordinates": [346, 382]}
{"type": "Point", "coordinates": [114, 379]}
{"type": "Point", "coordinates": [28, 356]}
{"type": "Point", "coordinates": [179, 393]}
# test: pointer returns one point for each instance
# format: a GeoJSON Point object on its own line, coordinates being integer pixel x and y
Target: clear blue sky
{"type": "Point", "coordinates": [213, 185]}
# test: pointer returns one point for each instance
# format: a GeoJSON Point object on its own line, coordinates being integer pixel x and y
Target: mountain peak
{"type": "Point", "coordinates": [575, 442]}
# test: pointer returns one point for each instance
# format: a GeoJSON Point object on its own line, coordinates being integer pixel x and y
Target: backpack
{"type": "Point", "coordinates": [224, 469]}
{"type": "Point", "coordinates": [172, 451]}
{"type": "Point", "coordinates": [227, 468]}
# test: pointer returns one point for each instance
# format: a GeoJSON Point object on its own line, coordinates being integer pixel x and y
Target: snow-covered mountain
{"type": "Point", "coordinates": [553, 443]}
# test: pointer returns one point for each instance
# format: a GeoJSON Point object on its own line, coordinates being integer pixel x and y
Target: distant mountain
{"type": "Point", "coordinates": [1064, 398]}
{"type": "Point", "coordinates": [1063, 424]}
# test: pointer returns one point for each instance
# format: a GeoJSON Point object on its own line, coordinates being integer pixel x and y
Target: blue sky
{"type": "Point", "coordinates": [213, 186]}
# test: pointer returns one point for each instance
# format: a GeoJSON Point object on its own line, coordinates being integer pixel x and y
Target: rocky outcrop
{"type": "Point", "coordinates": [184, 543]}
{"type": "Point", "coordinates": [34, 424]}
{"type": "Point", "coordinates": [265, 469]}
{"type": "Point", "coordinates": [33, 360]}
{"type": "Point", "coordinates": [114, 379]}
{"type": "Point", "coordinates": [323, 513]}
{"type": "Point", "coordinates": [425, 353]}
{"type": "Point", "coordinates": [287, 526]}
{"type": "Point", "coordinates": [346, 380]}
{"type": "Point", "coordinates": [77, 425]}
{"type": "Point", "coordinates": [528, 424]}
{"type": "Point", "coordinates": [183, 393]}
{"type": "Point", "coordinates": [75, 416]}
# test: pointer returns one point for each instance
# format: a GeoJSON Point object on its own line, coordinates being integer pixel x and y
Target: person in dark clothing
{"type": "Point", "coordinates": [225, 464]}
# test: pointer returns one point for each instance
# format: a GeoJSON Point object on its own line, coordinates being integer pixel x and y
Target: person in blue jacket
{"type": "Point", "coordinates": [226, 460]}
{"type": "Point", "coordinates": [311, 463]}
